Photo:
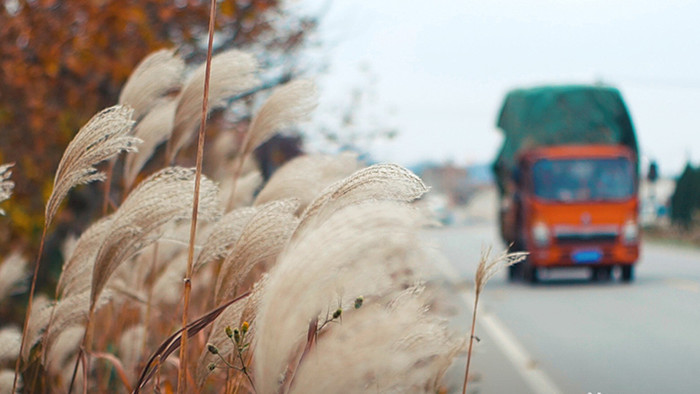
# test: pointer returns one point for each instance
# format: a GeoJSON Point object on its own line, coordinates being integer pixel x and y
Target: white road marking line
{"type": "Point", "coordinates": [526, 366]}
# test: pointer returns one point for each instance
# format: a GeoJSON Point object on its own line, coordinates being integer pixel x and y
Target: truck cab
{"type": "Point", "coordinates": [576, 205]}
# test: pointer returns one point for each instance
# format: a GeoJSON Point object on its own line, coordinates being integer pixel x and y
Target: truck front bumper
{"type": "Point", "coordinates": [584, 255]}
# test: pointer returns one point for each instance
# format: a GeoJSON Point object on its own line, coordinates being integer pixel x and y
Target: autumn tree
{"type": "Point", "coordinates": [62, 61]}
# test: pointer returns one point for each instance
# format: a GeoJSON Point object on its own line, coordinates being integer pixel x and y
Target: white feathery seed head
{"type": "Point", "coordinates": [10, 338]}
{"type": "Point", "coordinates": [157, 75]}
{"type": "Point", "coordinates": [6, 185]}
{"type": "Point", "coordinates": [154, 129]}
{"type": "Point", "coordinates": [222, 235]}
{"type": "Point", "coordinates": [287, 105]}
{"type": "Point", "coordinates": [13, 271]}
{"type": "Point", "coordinates": [161, 198]}
{"type": "Point", "coordinates": [305, 177]}
{"type": "Point", "coordinates": [107, 134]}
{"type": "Point", "coordinates": [261, 240]}
{"type": "Point", "coordinates": [389, 182]}
{"type": "Point", "coordinates": [232, 73]}
{"type": "Point", "coordinates": [366, 249]}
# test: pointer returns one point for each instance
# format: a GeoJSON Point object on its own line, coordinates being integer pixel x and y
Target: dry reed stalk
{"type": "Point", "coordinates": [153, 130]}
{"type": "Point", "coordinates": [13, 272]}
{"type": "Point", "coordinates": [6, 185]}
{"type": "Point", "coordinates": [287, 105]}
{"type": "Point", "coordinates": [486, 270]}
{"type": "Point", "coordinates": [261, 240]}
{"type": "Point", "coordinates": [181, 381]}
{"type": "Point", "coordinates": [359, 250]}
{"type": "Point", "coordinates": [157, 75]}
{"type": "Point", "coordinates": [103, 137]}
{"type": "Point", "coordinates": [305, 177]}
{"type": "Point", "coordinates": [232, 72]}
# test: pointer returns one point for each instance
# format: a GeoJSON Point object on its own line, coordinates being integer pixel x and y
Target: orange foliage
{"type": "Point", "coordinates": [62, 61]}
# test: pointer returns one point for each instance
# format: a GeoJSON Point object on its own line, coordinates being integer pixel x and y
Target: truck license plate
{"type": "Point", "coordinates": [587, 256]}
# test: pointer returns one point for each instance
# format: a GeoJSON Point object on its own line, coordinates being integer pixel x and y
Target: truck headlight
{"type": "Point", "coordinates": [630, 232]}
{"type": "Point", "coordinates": [540, 233]}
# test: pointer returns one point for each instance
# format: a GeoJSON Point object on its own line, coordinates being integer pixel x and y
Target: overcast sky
{"type": "Point", "coordinates": [441, 68]}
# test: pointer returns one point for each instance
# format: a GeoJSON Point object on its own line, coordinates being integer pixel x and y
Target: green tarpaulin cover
{"type": "Point", "coordinates": [556, 115]}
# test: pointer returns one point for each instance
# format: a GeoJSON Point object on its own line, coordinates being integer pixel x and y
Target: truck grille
{"type": "Point", "coordinates": [587, 234]}
{"type": "Point", "coordinates": [583, 237]}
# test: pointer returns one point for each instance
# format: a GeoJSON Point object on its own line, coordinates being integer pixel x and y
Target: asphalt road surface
{"type": "Point", "coordinates": [571, 335]}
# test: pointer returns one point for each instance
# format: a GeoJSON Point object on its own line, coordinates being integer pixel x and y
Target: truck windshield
{"type": "Point", "coordinates": [576, 180]}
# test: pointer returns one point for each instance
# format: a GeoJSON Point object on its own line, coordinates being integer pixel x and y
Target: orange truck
{"type": "Point", "coordinates": [568, 181]}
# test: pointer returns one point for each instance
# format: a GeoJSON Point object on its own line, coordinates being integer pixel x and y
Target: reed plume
{"type": "Point", "coordinates": [232, 72]}
{"type": "Point", "coordinates": [130, 348]}
{"type": "Point", "coordinates": [163, 197]}
{"type": "Point", "coordinates": [68, 312]}
{"type": "Point", "coordinates": [378, 182]}
{"type": "Point", "coordinates": [7, 381]}
{"type": "Point", "coordinates": [305, 177]}
{"type": "Point", "coordinates": [387, 340]}
{"type": "Point", "coordinates": [154, 129]}
{"type": "Point", "coordinates": [157, 75]}
{"type": "Point", "coordinates": [242, 192]}
{"type": "Point", "coordinates": [6, 185]}
{"type": "Point", "coordinates": [13, 271]}
{"type": "Point", "coordinates": [359, 250]}
{"type": "Point", "coordinates": [287, 105]}
{"type": "Point", "coordinates": [63, 348]}
{"type": "Point", "coordinates": [104, 136]}
{"type": "Point", "coordinates": [261, 240]}
{"type": "Point", "coordinates": [222, 235]}
{"type": "Point", "coordinates": [77, 270]}
{"type": "Point", "coordinates": [10, 339]}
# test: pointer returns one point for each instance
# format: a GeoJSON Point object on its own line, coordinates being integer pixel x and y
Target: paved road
{"type": "Point", "coordinates": [571, 335]}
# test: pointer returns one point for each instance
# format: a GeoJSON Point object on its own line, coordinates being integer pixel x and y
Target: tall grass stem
{"type": "Point", "coordinates": [182, 372]}
{"type": "Point", "coordinates": [471, 342]}
{"type": "Point", "coordinates": [29, 306]}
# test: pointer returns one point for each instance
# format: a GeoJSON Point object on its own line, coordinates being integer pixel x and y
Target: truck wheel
{"type": "Point", "coordinates": [601, 274]}
{"type": "Point", "coordinates": [515, 272]}
{"type": "Point", "coordinates": [531, 274]}
{"type": "Point", "coordinates": [627, 273]}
